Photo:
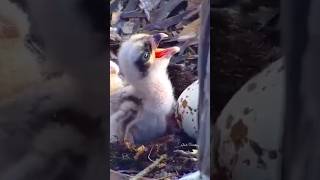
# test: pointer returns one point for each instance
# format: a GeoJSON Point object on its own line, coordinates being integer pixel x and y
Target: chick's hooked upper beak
{"type": "Point", "coordinates": [163, 52]}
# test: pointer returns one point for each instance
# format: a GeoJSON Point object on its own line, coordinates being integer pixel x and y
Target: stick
{"type": "Point", "coordinates": [150, 154]}
{"type": "Point", "coordinates": [149, 168]}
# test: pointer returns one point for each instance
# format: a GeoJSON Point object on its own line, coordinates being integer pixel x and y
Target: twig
{"type": "Point", "coordinates": [149, 168]}
{"type": "Point", "coordinates": [166, 23]}
{"type": "Point", "coordinates": [164, 177]}
{"type": "Point", "coordinates": [186, 159]}
{"type": "Point", "coordinates": [185, 153]}
{"type": "Point", "coordinates": [127, 171]}
{"type": "Point", "coordinates": [133, 14]}
{"type": "Point", "coordinates": [188, 145]}
{"type": "Point", "coordinates": [150, 154]}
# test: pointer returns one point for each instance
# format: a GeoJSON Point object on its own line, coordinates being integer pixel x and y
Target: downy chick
{"type": "Point", "coordinates": [149, 98]}
{"type": "Point", "coordinates": [116, 82]}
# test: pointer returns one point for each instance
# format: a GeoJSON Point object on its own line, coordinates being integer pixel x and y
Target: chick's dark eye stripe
{"type": "Point", "coordinates": [147, 47]}
{"type": "Point", "coordinates": [141, 63]}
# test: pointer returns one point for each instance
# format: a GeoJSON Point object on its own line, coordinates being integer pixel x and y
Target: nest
{"type": "Point", "coordinates": [169, 157]}
{"type": "Point", "coordinates": [175, 154]}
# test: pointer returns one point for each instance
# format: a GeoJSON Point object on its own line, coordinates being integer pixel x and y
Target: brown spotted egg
{"type": "Point", "coordinates": [187, 109]}
{"type": "Point", "coordinates": [249, 129]}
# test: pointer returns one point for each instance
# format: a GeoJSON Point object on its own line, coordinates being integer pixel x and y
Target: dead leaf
{"type": "Point", "coordinates": [164, 24]}
{"type": "Point", "coordinates": [191, 30]}
{"type": "Point", "coordinates": [133, 14]}
{"type": "Point", "coordinates": [193, 4]}
{"type": "Point", "coordinates": [127, 27]}
{"type": "Point", "coordinates": [115, 17]}
{"type": "Point", "coordinates": [166, 8]}
{"type": "Point", "coordinates": [148, 5]}
{"type": "Point", "coordinates": [114, 5]}
{"type": "Point", "coordinates": [132, 5]}
{"type": "Point", "coordinates": [140, 150]}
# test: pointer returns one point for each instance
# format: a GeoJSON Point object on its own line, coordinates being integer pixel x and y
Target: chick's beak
{"type": "Point", "coordinates": [166, 53]}
{"type": "Point", "coordinates": [163, 52]}
{"type": "Point", "coordinates": [158, 37]}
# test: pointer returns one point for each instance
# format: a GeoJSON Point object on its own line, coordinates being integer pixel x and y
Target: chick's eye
{"type": "Point", "coordinates": [146, 56]}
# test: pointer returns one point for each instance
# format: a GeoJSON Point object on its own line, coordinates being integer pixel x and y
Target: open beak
{"type": "Point", "coordinates": [166, 52]}
{"type": "Point", "coordinates": [163, 52]}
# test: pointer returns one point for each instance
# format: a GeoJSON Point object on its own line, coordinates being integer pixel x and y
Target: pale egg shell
{"type": "Point", "coordinates": [249, 129]}
{"type": "Point", "coordinates": [187, 109]}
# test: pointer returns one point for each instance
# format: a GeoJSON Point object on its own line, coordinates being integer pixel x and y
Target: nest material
{"type": "Point", "coordinates": [180, 20]}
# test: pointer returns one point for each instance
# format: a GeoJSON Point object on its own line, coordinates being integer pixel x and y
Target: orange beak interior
{"type": "Point", "coordinates": [159, 53]}
{"type": "Point", "coordinates": [165, 52]}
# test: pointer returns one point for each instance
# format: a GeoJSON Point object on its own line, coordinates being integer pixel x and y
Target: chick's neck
{"type": "Point", "coordinates": [156, 89]}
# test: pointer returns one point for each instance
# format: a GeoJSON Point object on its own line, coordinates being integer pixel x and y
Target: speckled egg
{"type": "Point", "coordinates": [187, 109]}
{"type": "Point", "coordinates": [249, 129]}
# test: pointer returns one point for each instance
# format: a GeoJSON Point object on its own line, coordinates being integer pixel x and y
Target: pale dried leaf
{"type": "Point", "coordinates": [193, 4]}
{"type": "Point", "coordinates": [115, 17]}
{"type": "Point", "coordinates": [132, 5]}
{"type": "Point", "coordinates": [148, 6]}
{"type": "Point", "coordinates": [164, 24]}
{"type": "Point", "coordinates": [191, 30]}
{"type": "Point", "coordinates": [133, 14]}
{"type": "Point", "coordinates": [128, 27]}
{"type": "Point", "coordinates": [165, 9]}
{"type": "Point", "coordinates": [114, 5]}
